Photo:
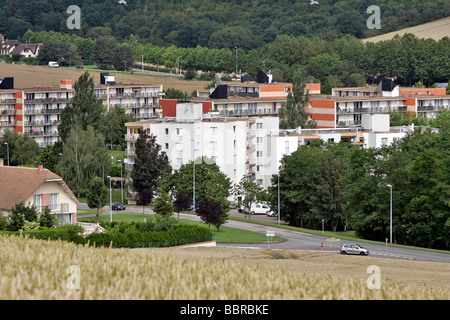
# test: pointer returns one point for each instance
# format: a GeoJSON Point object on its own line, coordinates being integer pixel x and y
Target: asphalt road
{"type": "Point", "coordinates": [296, 240]}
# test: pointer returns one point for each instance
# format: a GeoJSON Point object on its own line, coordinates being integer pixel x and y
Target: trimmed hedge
{"type": "Point", "coordinates": [182, 234]}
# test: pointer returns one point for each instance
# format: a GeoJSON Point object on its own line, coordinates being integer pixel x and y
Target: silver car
{"type": "Point", "coordinates": [353, 248]}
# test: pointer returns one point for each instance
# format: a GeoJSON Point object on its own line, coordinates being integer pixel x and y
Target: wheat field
{"type": "Point", "coordinates": [29, 76]}
{"type": "Point", "coordinates": [51, 270]}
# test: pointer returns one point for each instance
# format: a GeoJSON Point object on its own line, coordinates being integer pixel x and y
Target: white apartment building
{"type": "Point", "coordinates": [239, 146]}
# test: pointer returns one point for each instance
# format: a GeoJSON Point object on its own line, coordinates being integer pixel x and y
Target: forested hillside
{"type": "Point", "coordinates": [247, 24]}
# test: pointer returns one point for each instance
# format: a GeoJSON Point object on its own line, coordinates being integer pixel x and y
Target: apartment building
{"type": "Point", "coordinates": [37, 111]}
{"type": "Point", "coordinates": [240, 146]}
{"type": "Point", "coordinates": [346, 106]}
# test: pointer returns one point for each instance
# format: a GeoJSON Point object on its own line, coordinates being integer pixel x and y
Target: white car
{"type": "Point", "coordinates": [259, 208]}
{"type": "Point", "coordinates": [353, 248]}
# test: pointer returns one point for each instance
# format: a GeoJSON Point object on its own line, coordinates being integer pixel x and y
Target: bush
{"type": "Point", "coordinates": [132, 238]}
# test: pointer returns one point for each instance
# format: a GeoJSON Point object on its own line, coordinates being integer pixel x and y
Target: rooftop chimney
{"type": "Point", "coordinates": [40, 167]}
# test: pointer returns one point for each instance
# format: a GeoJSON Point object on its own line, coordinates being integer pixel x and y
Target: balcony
{"type": "Point", "coordinates": [8, 123]}
{"type": "Point", "coordinates": [8, 101]}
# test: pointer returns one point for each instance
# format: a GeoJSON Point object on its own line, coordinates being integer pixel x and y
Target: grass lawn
{"type": "Point", "coordinates": [225, 235]}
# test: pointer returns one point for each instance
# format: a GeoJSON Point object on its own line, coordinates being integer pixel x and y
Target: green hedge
{"type": "Point", "coordinates": [182, 234]}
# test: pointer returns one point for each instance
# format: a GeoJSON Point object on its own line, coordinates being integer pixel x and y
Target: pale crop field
{"type": "Point", "coordinates": [36, 269]}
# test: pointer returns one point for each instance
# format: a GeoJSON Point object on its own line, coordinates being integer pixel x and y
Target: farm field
{"type": "Point", "coordinates": [36, 269]}
{"type": "Point", "coordinates": [435, 30]}
{"type": "Point", "coordinates": [29, 76]}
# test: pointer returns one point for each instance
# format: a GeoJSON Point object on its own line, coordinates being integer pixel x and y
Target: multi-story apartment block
{"type": "Point", "coordinates": [240, 146]}
{"type": "Point", "coordinates": [37, 111]}
{"type": "Point", "coordinates": [346, 106]}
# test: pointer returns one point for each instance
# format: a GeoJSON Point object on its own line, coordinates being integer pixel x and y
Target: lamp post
{"type": "Point", "coordinates": [278, 197]}
{"type": "Point", "coordinates": [121, 180]}
{"type": "Point", "coordinates": [236, 62]}
{"type": "Point", "coordinates": [110, 199]}
{"type": "Point", "coordinates": [390, 216]}
{"type": "Point", "coordinates": [7, 151]}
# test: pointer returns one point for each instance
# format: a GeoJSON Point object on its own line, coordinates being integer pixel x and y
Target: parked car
{"type": "Point", "coordinates": [259, 208]}
{"type": "Point", "coordinates": [353, 248]}
{"type": "Point", "coordinates": [271, 213]}
{"type": "Point", "coordinates": [80, 67]}
{"type": "Point", "coordinates": [118, 206]}
{"type": "Point", "coordinates": [53, 64]}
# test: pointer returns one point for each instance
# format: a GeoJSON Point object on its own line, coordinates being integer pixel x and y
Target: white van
{"type": "Point", "coordinates": [53, 64]}
{"type": "Point", "coordinates": [258, 208]}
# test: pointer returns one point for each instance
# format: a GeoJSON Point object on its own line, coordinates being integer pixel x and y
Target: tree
{"type": "Point", "coordinates": [123, 59]}
{"type": "Point", "coordinates": [20, 213]}
{"type": "Point", "coordinates": [23, 149]}
{"type": "Point", "coordinates": [60, 51]}
{"type": "Point", "coordinates": [84, 110]}
{"type": "Point", "coordinates": [330, 190]}
{"type": "Point", "coordinates": [293, 113]}
{"type": "Point", "coordinates": [113, 125]}
{"type": "Point", "coordinates": [150, 166]}
{"type": "Point", "coordinates": [97, 194]}
{"type": "Point", "coordinates": [163, 204]}
{"type": "Point", "coordinates": [104, 52]}
{"type": "Point", "coordinates": [84, 154]}
{"type": "Point", "coordinates": [249, 192]}
{"type": "Point", "coordinates": [210, 182]}
{"type": "Point", "coordinates": [47, 219]}
{"type": "Point", "coordinates": [181, 203]}
{"type": "Point", "coordinates": [211, 212]}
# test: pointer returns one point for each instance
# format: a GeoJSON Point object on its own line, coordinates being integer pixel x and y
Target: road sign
{"type": "Point", "coordinates": [270, 233]}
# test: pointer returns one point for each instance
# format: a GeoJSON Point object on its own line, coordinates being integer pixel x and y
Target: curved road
{"type": "Point", "coordinates": [296, 240]}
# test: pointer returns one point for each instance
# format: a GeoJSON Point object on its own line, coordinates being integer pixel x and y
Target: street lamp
{"type": "Point", "coordinates": [121, 179]}
{"type": "Point", "coordinates": [278, 197]}
{"type": "Point", "coordinates": [110, 199]}
{"type": "Point", "coordinates": [7, 150]}
{"type": "Point", "coordinates": [236, 62]}
{"type": "Point", "coordinates": [390, 216]}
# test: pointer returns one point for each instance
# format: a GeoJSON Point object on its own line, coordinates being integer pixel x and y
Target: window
{"type": "Point", "coordinates": [37, 200]}
{"type": "Point", "coordinates": [258, 168]}
{"type": "Point", "coordinates": [234, 128]}
{"type": "Point", "coordinates": [259, 182]}
{"type": "Point", "coordinates": [384, 141]}
{"type": "Point", "coordinates": [259, 139]}
{"type": "Point", "coordinates": [213, 130]}
{"type": "Point", "coordinates": [259, 154]}
{"type": "Point", "coordinates": [213, 145]}
{"type": "Point", "coordinates": [259, 125]}
{"type": "Point", "coordinates": [178, 131]}
{"type": "Point", "coordinates": [167, 130]}
{"type": "Point", "coordinates": [286, 147]}
{"type": "Point", "coordinates": [167, 146]}
{"type": "Point", "coordinates": [54, 201]}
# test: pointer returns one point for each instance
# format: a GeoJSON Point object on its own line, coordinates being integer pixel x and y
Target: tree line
{"type": "Point", "coordinates": [347, 187]}
{"type": "Point", "coordinates": [217, 23]}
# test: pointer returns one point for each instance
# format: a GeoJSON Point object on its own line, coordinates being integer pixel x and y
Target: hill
{"type": "Point", "coordinates": [435, 30]}
{"type": "Point", "coordinates": [247, 24]}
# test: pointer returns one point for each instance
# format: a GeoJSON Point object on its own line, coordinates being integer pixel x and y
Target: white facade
{"type": "Point", "coordinates": [239, 146]}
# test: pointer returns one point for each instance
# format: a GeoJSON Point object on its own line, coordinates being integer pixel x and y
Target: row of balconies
{"type": "Point", "coordinates": [43, 111]}
{"type": "Point", "coordinates": [431, 108]}
{"type": "Point", "coordinates": [9, 112]}
{"type": "Point", "coordinates": [8, 101]}
{"type": "Point", "coordinates": [371, 110]}
{"type": "Point", "coordinates": [42, 122]}
{"type": "Point", "coordinates": [46, 100]}
{"type": "Point", "coordinates": [132, 95]}
{"type": "Point", "coordinates": [8, 123]}
{"type": "Point", "coordinates": [35, 133]}
{"type": "Point", "coordinates": [248, 112]}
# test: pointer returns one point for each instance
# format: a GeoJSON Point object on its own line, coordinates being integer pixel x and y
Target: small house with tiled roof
{"type": "Point", "coordinates": [37, 187]}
